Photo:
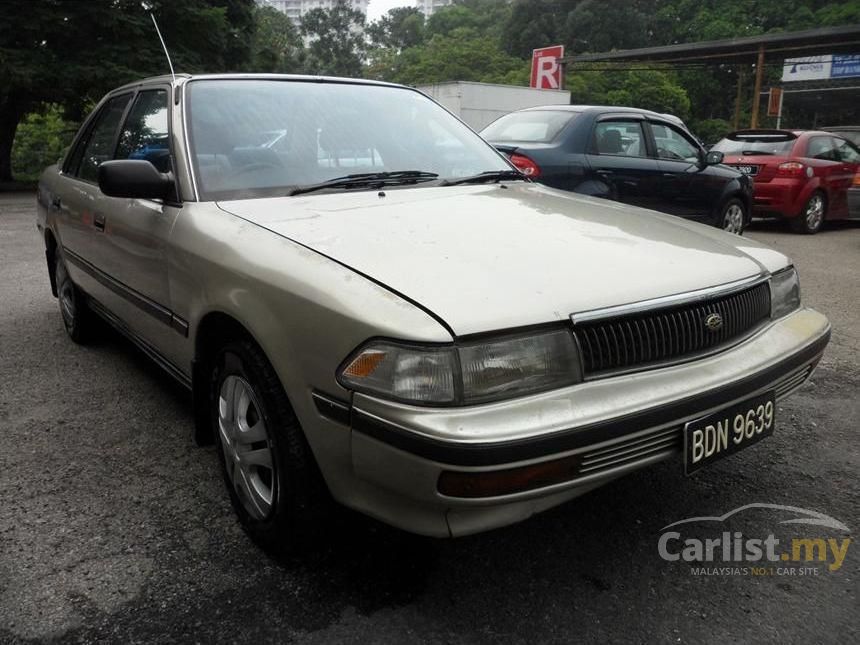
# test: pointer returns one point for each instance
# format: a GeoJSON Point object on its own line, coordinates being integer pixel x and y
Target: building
{"type": "Point", "coordinates": [427, 7]}
{"type": "Point", "coordinates": [295, 9]}
{"type": "Point", "coordinates": [479, 104]}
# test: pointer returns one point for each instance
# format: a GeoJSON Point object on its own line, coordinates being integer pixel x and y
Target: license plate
{"type": "Point", "coordinates": [747, 170]}
{"type": "Point", "coordinates": [725, 432]}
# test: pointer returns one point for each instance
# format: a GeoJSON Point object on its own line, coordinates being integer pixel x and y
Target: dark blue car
{"type": "Point", "coordinates": [633, 156]}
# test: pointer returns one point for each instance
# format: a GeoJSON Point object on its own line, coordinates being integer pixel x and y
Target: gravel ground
{"type": "Point", "coordinates": [115, 527]}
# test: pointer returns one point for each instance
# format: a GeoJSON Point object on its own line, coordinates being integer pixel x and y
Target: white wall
{"type": "Point", "coordinates": [479, 104]}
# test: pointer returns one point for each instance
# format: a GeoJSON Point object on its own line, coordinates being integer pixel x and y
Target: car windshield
{"type": "Point", "coordinates": [531, 126]}
{"type": "Point", "coordinates": [755, 145]}
{"type": "Point", "coordinates": [257, 138]}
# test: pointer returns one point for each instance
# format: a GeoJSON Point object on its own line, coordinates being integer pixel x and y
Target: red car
{"type": "Point", "coordinates": [800, 175]}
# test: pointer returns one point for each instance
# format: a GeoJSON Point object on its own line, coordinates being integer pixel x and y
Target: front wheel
{"type": "Point", "coordinates": [812, 216]}
{"type": "Point", "coordinates": [267, 466]}
{"type": "Point", "coordinates": [733, 217]}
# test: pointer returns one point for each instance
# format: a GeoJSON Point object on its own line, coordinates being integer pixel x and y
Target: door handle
{"type": "Point", "coordinates": [99, 222]}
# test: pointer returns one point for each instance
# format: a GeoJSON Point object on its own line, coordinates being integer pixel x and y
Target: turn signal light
{"type": "Point", "coordinates": [857, 179]}
{"type": "Point", "coordinates": [790, 169]}
{"type": "Point", "coordinates": [525, 165]}
{"type": "Point", "coordinates": [492, 483]}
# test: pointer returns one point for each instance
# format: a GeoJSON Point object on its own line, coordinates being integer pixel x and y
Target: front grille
{"type": "Point", "coordinates": [670, 334]}
{"type": "Point", "coordinates": [632, 450]}
{"type": "Point", "coordinates": [661, 443]}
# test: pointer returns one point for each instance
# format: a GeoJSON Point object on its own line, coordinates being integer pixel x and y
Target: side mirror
{"type": "Point", "coordinates": [133, 178]}
{"type": "Point", "coordinates": [714, 157]}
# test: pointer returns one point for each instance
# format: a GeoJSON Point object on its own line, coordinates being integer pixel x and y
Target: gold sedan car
{"type": "Point", "coordinates": [370, 304]}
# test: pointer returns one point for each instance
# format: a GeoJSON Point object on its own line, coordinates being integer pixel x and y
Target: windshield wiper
{"type": "Point", "coordinates": [754, 153]}
{"type": "Point", "coordinates": [490, 175]}
{"type": "Point", "coordinates": [363, 179]}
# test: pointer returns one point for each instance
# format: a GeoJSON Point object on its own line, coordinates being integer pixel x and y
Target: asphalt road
{"type": "Point", "coordinates": [114, 527]}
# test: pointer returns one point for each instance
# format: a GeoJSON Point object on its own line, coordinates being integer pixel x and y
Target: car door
{"type": "Point", "coordinates": [835, 175]}
{"type": "Point", "coordinates": [688, 188]}
{"type": "Point", "coordinates": [134, 255]}
{"type": "Point", "coordinates": [618, 157]}
{"type": "Point", "coordinates": [80, 208]}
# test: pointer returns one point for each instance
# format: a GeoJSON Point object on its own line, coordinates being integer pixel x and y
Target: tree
{"type": "Point", "coordinates": [336, 40]}
{"type": "Point", "coordinates": [485, 17]}
{"type": "Point", "coordinates": [650, 90]}
{"type": "Point", "coordinates": [595, 25]}
{"type": "Point", "coordinates": [400, 28]}
{"type": "Point", "coordinates": [277, 46]}
{"type": "Point", "coordinates": [70, 53]}
{"type": "Point", "coordinates": [463, 55]}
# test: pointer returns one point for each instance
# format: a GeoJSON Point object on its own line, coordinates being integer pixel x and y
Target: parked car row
{"type": "Point", "coordinates": [368, 302]}
{"type": "Point", "coordinates": [651, 160]}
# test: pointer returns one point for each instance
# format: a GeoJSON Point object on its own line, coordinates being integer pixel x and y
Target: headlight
{"type": "Point", "coordinates": [784, 293]}
{"type": "Point", "coordinates": [466, 373]}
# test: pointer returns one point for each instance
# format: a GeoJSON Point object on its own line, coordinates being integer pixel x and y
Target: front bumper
{"type": "Point", "coordinates": [616, 425]}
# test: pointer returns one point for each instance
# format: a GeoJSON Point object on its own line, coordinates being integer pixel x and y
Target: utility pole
{"type": "Point", "coordinates": [759, 70]}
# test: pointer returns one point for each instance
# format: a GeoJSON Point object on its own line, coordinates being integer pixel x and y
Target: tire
{"type": "Point", "coordinates": [77, 317]}
{"type": "Point", "coordinates": [733, 217]}
{"type": "Point", "coordinates": [811, 216]}
{"type": "Point", "coordinates": [273, 482]}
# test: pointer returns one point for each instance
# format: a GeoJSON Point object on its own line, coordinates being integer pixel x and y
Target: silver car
{"type": "Point", "coordinates": [381, 310]}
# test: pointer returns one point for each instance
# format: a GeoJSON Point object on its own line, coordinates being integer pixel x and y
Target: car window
{"type": "Point", "coordinates": [624, 138]}
{"type": "Point", "coordinates": [100, 143]}
{"type": "Point", "coordinates": [747, 144]}
{"type": "Point", "coordinates": [822, 148]}
{"type": "Point", "coordinates": [847, 151]}
{"type": "Point", "coordinates": [255, 138]}
{"type": "Point", "coordinates": [532, 126]}
{"type": "Point", "coordinates": [672, 144]}
{"type": "Point", "coordinates": [144, 134]}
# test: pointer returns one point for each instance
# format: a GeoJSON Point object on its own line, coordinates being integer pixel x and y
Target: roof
{"type": "Point", "coordinates": [600, 108]}
{"type": "Point", "coordinates": [184, 78]}
{"type": "Point", "coordinates": [811, 42]}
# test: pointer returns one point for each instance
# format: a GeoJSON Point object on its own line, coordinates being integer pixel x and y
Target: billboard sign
{"type": "Point", "coordinates": [546, 68]}
{"type": "Point", "coordinates": [774, 103]}
{"type": "Point", "coordinates": [845, 66]}
{"type": "Point", "coordinates": [821, 68]}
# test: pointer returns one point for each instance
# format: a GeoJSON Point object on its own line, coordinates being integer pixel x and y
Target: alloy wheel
{"type": "Point", "coordinates": [814, 212]}
{"type": "Point", "coordinates": [248, 457]}
{"type": "Point", "coordinates": [733, 219]}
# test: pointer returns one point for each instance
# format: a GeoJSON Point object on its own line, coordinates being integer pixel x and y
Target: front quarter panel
{"type": "Point", "coordinates": [306, 312]}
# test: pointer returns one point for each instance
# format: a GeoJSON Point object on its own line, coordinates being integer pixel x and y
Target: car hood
{"type": "Point", "coordinates": [493, 257]}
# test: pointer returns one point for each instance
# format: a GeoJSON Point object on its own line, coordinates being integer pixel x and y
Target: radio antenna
{"type": "Point", "coordinates": [166, 53]}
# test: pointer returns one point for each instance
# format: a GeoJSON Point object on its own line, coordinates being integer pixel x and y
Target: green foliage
{"type": "Point", "coordinates": [41, 140]}
{"type": "Point", "coordinates": [336, 40]}
{"type": "Point", "coordinates": [486, 17]}
{"type": "Point", "coordinates": [276, 46]}
{"type": "Point", "coordinates": [461, 55]}
{"type": "Point", "coordinates": [71, 53]}
{"type": "Point", "coordinates": [710, 130]}
{"type": "Point", "coordinates": [400, 28]}
{"type": "Point", "coordinates": [650, 90]}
